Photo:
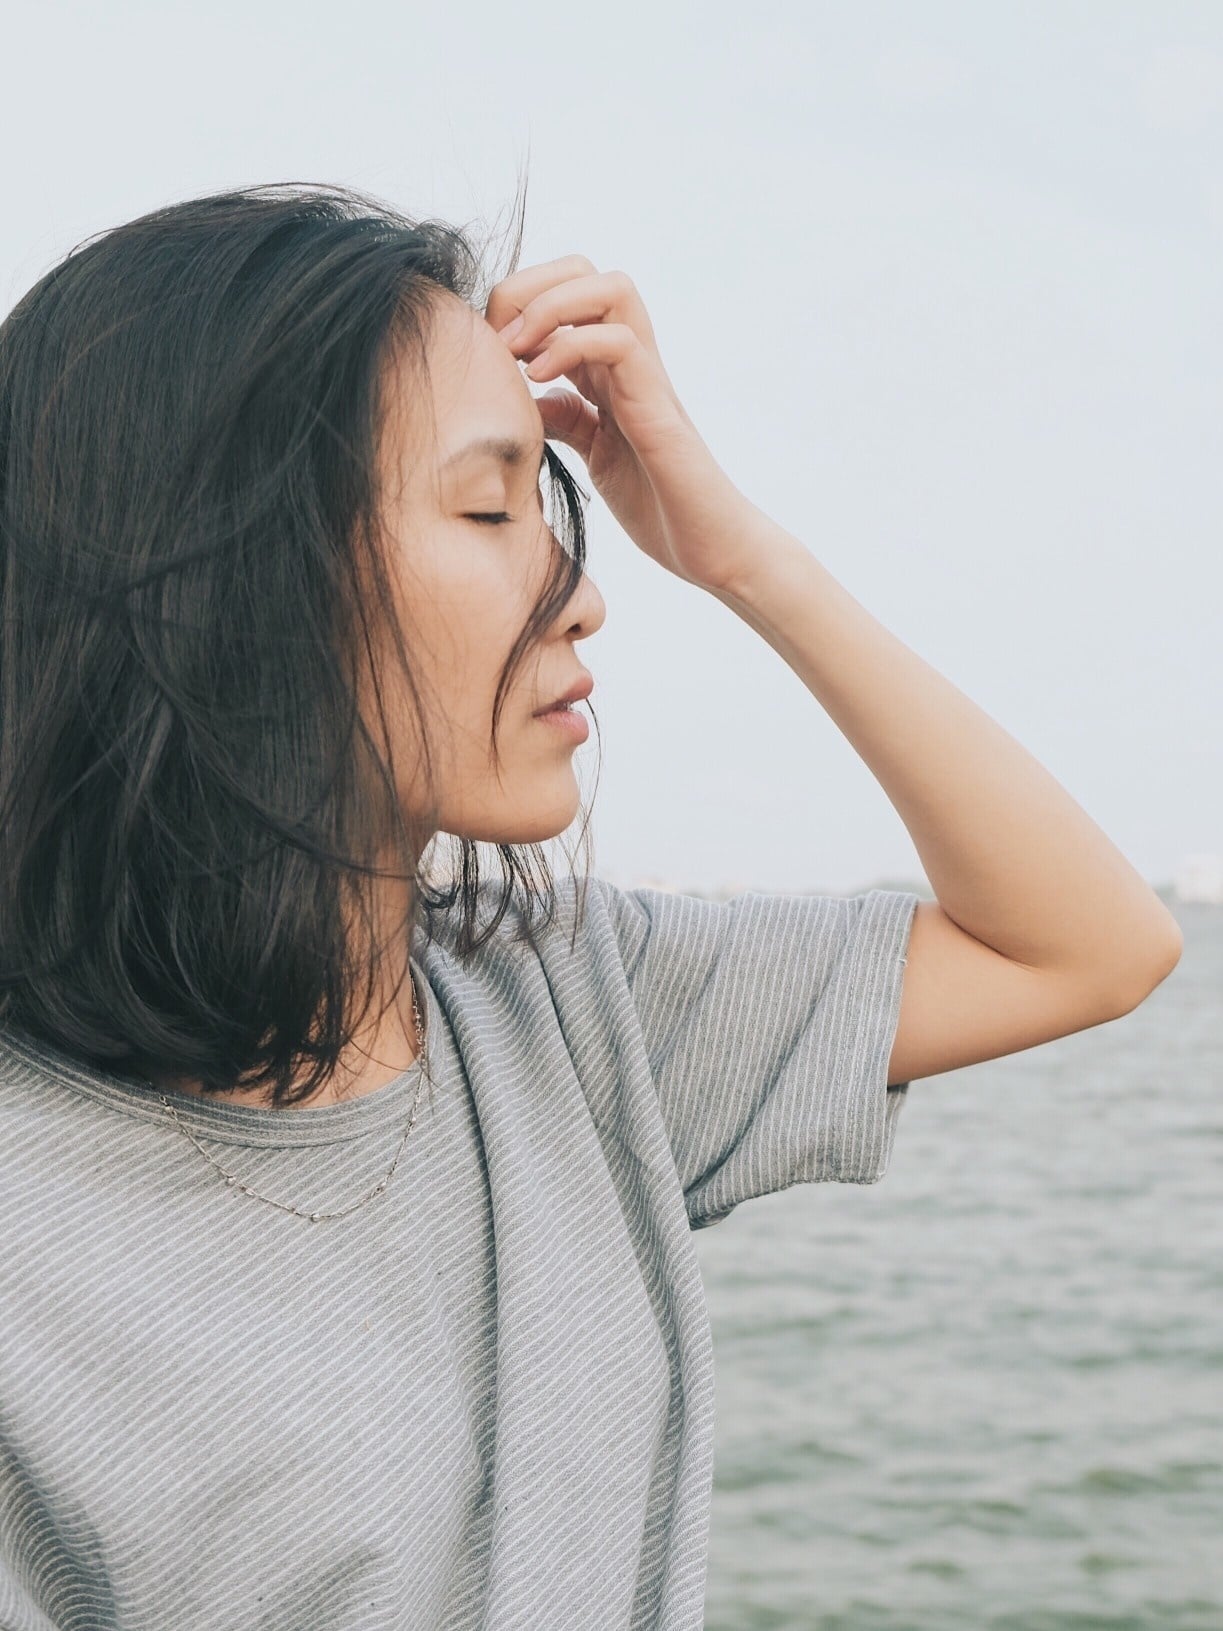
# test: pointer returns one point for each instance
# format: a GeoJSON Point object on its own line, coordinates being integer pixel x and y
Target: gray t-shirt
{"type": "Point", "coordinates": [483, 1399]}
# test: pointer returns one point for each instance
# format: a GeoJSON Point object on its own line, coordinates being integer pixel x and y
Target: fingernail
{"type": "Point", "coordinates": [511, 331]}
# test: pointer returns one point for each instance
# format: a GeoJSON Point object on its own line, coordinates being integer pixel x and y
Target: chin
{"type": "Point", "coordinates": [536, 825]}
{"type": "Point", "coordinates": [535, 832]}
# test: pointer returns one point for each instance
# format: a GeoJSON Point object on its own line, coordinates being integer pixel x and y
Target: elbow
{"type": "Point", "coordinates": [1169, 946]}
{"type": "Point", "coordinates": [1155, 968]}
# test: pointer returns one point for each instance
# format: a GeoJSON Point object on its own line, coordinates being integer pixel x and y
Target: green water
{"type": "Point", "coordinates": [987, 1392]}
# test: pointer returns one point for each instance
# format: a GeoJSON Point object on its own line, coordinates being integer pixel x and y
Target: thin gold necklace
{"type": "Point", "coordinates": [234, 1182]}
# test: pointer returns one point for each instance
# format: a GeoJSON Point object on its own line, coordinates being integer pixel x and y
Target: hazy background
{"type": "Point", "coordinates": [939, 283]}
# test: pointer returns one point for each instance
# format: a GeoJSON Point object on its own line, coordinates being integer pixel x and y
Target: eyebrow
{"type": "Point", "coordinates": [504, 448]}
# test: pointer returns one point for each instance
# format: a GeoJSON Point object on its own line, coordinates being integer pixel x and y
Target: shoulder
{"type": "Point", "coordinates": [55, 1137]}
{"type": "Point", "coordinates": [590, 925]}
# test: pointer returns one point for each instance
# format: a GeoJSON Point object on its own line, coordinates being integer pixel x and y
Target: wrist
{"type": "Point", "coordinates": [761, 557]}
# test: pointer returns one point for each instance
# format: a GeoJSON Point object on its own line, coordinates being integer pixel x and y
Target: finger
{"type": "Point", "coordinates": [568, 418]}
{"type": "Point", "coordinates": [509, 296]}
{"type": "Point", "coordinates": [636, 389]}
{"type": "Point", "coordinates": [577, 373]}
{"type": "Point", "coordinates": [599, 297]}
{"type": "Point", "coordinates": [614, 344]}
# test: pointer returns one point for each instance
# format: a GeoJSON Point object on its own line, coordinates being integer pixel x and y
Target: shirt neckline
{"type": "Point", "coordinates": [228, 1123]}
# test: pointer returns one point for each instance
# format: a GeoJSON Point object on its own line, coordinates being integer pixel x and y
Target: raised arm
{"type": "Point", "coordinates": [1041, 926]}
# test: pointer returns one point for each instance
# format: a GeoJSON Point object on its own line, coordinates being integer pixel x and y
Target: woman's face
{"type": "Point", "coordinates": [468, 586]}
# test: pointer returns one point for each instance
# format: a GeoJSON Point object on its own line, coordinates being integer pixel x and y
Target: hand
{"type": "Point", "coordinates": [644, 455]}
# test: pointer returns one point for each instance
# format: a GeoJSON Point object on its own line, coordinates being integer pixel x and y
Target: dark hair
{"type": "Point", "coordinates": [192, 584]}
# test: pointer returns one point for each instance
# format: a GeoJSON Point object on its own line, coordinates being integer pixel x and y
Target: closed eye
{"type": "Point", "coordinates": [498, 518]}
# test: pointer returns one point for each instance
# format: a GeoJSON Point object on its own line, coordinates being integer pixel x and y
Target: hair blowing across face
{"type": "Point", "coordinates": [194, 816]}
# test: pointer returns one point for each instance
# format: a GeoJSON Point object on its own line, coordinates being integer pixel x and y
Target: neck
{"type": "Point", "coordinates": [378, 1054]}
{"type": "Point", "coordinates": [385, 1045]}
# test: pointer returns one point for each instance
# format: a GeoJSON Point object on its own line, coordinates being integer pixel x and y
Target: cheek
{"type": "Point", "coordinates": [481, 607]}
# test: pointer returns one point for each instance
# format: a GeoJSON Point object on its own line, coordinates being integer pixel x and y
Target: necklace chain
{"type": "Point", "coordinates": [232, 1181]}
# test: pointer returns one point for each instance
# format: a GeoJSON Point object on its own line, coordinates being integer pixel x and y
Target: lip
{"type": "Point", "coordinates": [567, 721]}
{"type": "Point", "coordinates": [577, 692]}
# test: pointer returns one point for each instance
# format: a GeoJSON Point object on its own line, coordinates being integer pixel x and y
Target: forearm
{"type": "Point", "coordinates": [1010, 856]}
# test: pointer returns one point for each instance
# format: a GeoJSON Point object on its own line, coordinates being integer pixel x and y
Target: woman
{"type": "Point", "coordinates": [283, 607]}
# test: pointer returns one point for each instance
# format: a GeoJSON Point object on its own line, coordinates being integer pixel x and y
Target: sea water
{"type": "Point", "coordinates": [987, 1391]}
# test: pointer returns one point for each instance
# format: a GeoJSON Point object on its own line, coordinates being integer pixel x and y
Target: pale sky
{"type": "Point", "coordinates": [938, 283]}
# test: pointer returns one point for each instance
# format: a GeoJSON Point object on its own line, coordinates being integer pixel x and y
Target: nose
{"type": "Point", "coordinates": [587, 610]}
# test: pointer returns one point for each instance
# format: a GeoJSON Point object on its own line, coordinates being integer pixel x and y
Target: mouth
{"type": "Point", "coordinates": [577, 692]}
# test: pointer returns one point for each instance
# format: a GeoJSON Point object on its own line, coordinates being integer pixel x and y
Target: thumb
{"type": "Point", "coordinates": [569, 418]}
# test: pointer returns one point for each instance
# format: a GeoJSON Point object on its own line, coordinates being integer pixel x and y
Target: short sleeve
{"type": "Point", "coordinates": [768, 1022]}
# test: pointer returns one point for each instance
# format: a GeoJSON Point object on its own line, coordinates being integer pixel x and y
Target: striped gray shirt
{"type": "Point", "coordinates": [485, 1399]}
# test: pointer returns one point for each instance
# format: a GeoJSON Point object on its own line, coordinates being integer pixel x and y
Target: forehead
{"type": "Point", "coordinates": [483, 410]}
